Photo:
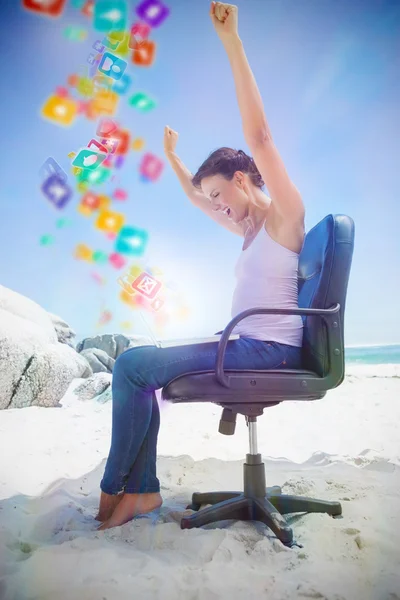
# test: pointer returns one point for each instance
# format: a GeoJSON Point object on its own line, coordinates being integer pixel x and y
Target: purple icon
{"type": "Point", "coordinates": [152, 12]}
{"type": "Point", "coordinates": [91, 58]}
{"type": "Point", "coordinates": [56, 191]}
{"type": "Point", "coordinates": [98, 46]}
{"type": "Point", "coordinates": [51, 167]}
{"type": "Point", "coordinates": [119, 161]}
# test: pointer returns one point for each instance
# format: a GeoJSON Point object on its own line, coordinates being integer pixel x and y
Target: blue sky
{"type": "Point", "coordinates": [327, 73]}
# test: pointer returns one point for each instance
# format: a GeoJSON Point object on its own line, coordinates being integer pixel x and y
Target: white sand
{"type": "Point", "coordinates": [345, 447]}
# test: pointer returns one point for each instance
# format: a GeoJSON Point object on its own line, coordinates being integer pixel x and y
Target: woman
{"type": "Point", "coordinates": [227, 187]}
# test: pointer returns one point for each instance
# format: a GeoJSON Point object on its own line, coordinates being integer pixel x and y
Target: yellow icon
{"type": "Point", "coordinates": [156, 272]}
{"type": "Point", "coordinates": [126, 325]}
{"type": "Point", "coordinates": [135, 271]}
{"type": "Point", "coordinates": [105, 201]}
{"type": "Point", "coordinates": [109, 221]}
{"type": "Point", "coordinates": [85, 86]}
{"type": "Point", "coordinates": [83, 252]}
{"type": "Point", "coordinates": [104, 102]}
{"type": "Point", "coordinates": [82, 187]}
{"type": "Point", "coordinates": [126, 283]}
{"type": "Point", "coordinates": [76, 170]}
{"type": "Point", "coordinates": [71, 155]}
{"type": "Point", "coordinates": [123, 38]}
{"type": "Point", "coordinates": [129, 300]}
{"type": "Point", "coordinates": [138, 144]}
{"type": "Point", "coordinates": [60, 110]}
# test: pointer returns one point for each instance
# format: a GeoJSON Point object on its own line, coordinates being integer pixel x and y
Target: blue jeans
{"type": "Point", "coordinates": [138, 372]}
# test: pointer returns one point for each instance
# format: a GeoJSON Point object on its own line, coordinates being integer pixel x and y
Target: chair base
{"type": "Point", "coordinates": [245, 506]}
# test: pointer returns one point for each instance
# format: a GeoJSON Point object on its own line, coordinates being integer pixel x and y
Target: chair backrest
{"type": "Point", "coordinates": [324, 269]}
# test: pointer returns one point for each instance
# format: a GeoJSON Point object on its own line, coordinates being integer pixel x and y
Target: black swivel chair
{"type": "Point", "coordinates": [324, 268]}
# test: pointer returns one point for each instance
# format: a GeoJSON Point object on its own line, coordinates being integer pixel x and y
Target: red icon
{"type": "Point", "coordinates": [146, 284]}
{"type": "Point", "coordinates": [144, 55]}
{"type": "Point", "coordinates": [87, 8]}
{"type": "Point", "coordinates": [91, 201]}
{"type": "Point", "coordinates": [139, 33]}
{"type": "Point", "coordinates": [120, 194]}
{"type": "Point", "coordinates": [122, 136]}
{"type": "Point", "coordinates": [151, 166]}
{"type": "Point", "coordinates": [52, 8]}
{"type": "Point", "coordinates": [106, 127]}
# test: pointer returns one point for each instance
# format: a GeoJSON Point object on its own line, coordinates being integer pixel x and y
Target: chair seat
{"type": "Point", "coordinates": [202, 386]}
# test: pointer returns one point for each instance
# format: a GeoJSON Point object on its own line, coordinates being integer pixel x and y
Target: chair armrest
{"type": "Point", "coordinates": [330, 315]}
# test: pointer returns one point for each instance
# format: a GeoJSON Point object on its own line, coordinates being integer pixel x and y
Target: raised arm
{"type": "Point", "coordinates": [283, 192]}
{"type": "Point", "coordinates": [185, 178]}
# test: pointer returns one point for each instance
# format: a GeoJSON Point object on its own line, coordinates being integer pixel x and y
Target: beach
{"type": "Point", "coordinates": [344, 447]}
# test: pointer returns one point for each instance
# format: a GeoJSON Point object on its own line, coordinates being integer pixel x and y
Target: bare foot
{"type": "Point", "coordinates": [130, 506]}
{"type": "Point", "coordinates": [108, 503]}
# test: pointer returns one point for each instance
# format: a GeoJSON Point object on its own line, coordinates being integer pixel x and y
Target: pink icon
{"type": "Point", "coordinates": [111, 144]}
{"type": "Point", "coordinates": [147, 285]}
{"type": "Point", "coordinates": [61, 92]}
{"type": "Point", "coordinates": [139, 32]}
{"type": "Point", "coordinates": [97, 145]}
{"type": "Point", "coordinates": [106, 127]}
{"type": "Point", "coordinates": [151, 166]}
{"type": "Point", "coordinates": [120, 195]}
{"type": "Point", "coordinates": [111, 235]}
{"type": "Point", "coordinates": [117, 260]}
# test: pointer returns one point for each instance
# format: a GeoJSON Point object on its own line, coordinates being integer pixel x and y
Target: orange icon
{"type": "Point", "coordinates": [104, 103]}
{"type": "Point", "coordinates": [109, 221]}
{"type": "Point", "coordinates": [83, 252]}
{"type": "Point", "coordinates": [138, 144]}
{"type": "Point", "coordinates": [144, 55]}
{"type": "Point", "coordinates": [61, 111]}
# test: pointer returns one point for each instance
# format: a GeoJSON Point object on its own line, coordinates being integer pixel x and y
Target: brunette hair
{"type": "Point", "coordinates": [225, 161]}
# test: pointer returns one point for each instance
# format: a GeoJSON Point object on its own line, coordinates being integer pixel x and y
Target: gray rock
{"type": "Point", "coordinates": [113, 344]}
{"type": "Point", "coordinates": [94, 386]}
{"type": "Point", "coordinates": [36, 370]}
{"type": "Point", "coordinates": [65, 334]}
{"type": "Point", "coordinates": [99, 361]}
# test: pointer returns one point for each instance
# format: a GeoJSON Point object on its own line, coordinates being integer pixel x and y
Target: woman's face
{"type": "Point", "coordinates": [228, 196]}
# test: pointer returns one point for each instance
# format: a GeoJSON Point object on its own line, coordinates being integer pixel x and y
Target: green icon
{"type": "Point", "coordinates": [63, 223]}
{"type": "Point", "coordinates": [100, 257]}
{"type": "Point", "coordinates": [46, 240]}
{"type": "Point", "coordinates": [142, 102]}
{"type": "Point", "coordinates": [99, 175]}
{"type": "Point", "coordinates": [88, 159]}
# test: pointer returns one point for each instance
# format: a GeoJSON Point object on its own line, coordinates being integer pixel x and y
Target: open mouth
{"type": "Point", "coordinates": [227, 211]}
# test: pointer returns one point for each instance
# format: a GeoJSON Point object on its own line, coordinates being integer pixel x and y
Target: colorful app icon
{"type": "Point", "coordinates": [96, 144]}
{"type": "Point", "coordinates": [85, 87]}
{"type": "Point", "coordinates": [88, 159]}
{"type": "Point", "coordinates": [131, 241]}
{"type": "Point", "coordinates": [125, 281]}
{"type": "Point", "coordinates": [117, 260]}
{"type": "Point", "coordinates": [89, 203]}
{"type": "Point", "coordinates": [83, 252]}
{"type": "Point", "coordinates": [153, 12]}
{"type": "Point", "coordinates": [119, 194]}
{"type": "Point", "coordinates": [98, 46]}
{"type": "Point", "coordinates": [109, 221]}
{"type": "Point", "coordinates": [111, 144]}
{"type": "Point", "coordinates": [101, 83]}
{"type": "Point", "coordinates": [51, 8]}
{"type": "Point", "coordinates": [110, 43]}
{"type": "Point", "coordinates": [138, 144]}
{"type": "Point", "coordinates": [157, 304]}
{"type": "Point", "coordinates": [46, 240]}
{"type": "Point", "coordinates": [119, 161]}
{"type": "Point", "coordinates": [145, 54]}
{"type": "Point", "coordinates": [123, 48]}
{"type": "Point", "coordinates": [100, 257]}
{"type": "Point", "coordinates": [96, 177]}
{"type": "Point", "coordinates": [106, 127]}
{"type": "Point", "coordinates": [142, 102]}
{"type": "Point", "coordinates": [139, 32]}
{"type": "Point", "coordinates": [105, 102]}
{"type": "Point", "coordinates": [75, 34]}
{"type": "Point", "coordinates": [123, 137]}
{"type": "Point", "coordinates": [51, 167]}
{"type": "Point", "coordinates": [151, 166]}
{"type": "Point", "coordinates": [110, 15]}
{"type": "Point", "coordinates": [112, 65]}
{"type": "Point", "coordinates": [87, 8]}
{"type": "Point", "coordinates": [91, 59]}
{"type": "Point", "coordinates": [147, 285]}
{"type": "Point", "coordinates": [56, 191]}
{"type": "Point", "coordinates": [122, 85]}
{"type": "Point", "coordinates": [60, 110]}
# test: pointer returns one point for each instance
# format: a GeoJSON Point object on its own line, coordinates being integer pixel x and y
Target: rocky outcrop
{"type": "Point", "coordinates": [37, 362]}
{"type": "Point", "coordinates": [101, 351]}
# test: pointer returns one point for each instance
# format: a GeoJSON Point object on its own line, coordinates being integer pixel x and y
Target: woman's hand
{"type": "Point", "coordinates": [170, 139]}
{"type": "Point", "coordinates": [225, 19]}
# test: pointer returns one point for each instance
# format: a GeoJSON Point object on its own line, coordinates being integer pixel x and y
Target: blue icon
{"type": "Point", "coordinates": [51, 167]}
{"type": "Point", "coordinates": [109, 14]}
{"type": "Point", "coordinates": [122, 85]}
{"type": "Point", "coordinates": [131, 241]}
{"type": "Point", "coordinates": [57, 191]}
{"type": "Point", "coordinates": [112, 66]}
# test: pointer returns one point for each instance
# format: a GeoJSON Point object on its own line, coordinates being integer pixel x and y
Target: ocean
{"type": "Point", "coordinates": [373, 355]}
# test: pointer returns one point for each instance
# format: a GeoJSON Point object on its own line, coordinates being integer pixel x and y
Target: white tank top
{"type": "Point", "coordinates": [266, 274]}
